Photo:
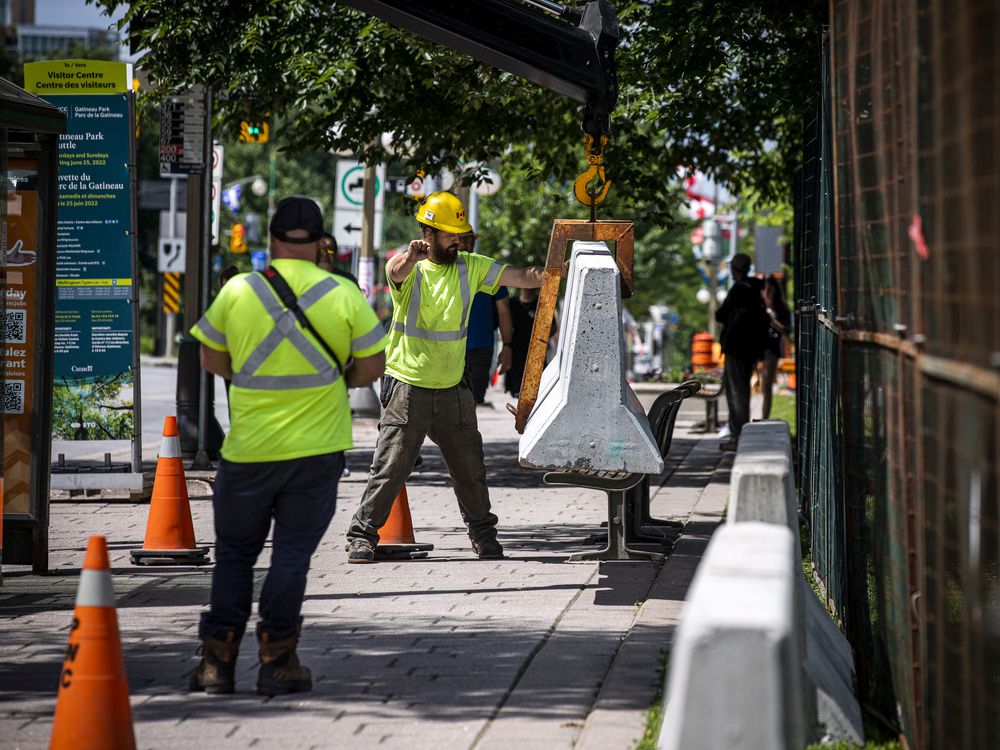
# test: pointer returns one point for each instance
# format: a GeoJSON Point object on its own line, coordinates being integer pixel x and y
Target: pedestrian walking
{"type": "Point", "coordinates": [282, 337]}
{"type": "Point", "coordinates": [425, 391]}
{"type": "Point", "coordinates": [780, 320]}
{"type": "Point", "coordinates": [489, 313]}
{"type": "Point", "coordinates": [744, 332]}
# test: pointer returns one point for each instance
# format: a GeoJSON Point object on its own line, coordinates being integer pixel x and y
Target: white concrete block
{"type": "Point", "coordinates": [763, 489]}
{"type": "Point", "coordinates": [735, 676]}
{"type": "Point", "coordinates": [762, 486]}
{"type": "Point", "coordinates": [829, 668]}
{"type": "Point", "coordinates": [586, 416]}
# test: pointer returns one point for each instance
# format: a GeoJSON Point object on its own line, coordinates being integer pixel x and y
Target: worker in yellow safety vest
{"type": "Point", "coordinates": [292, 339]}
{"type": "Point", "coordinates": [425, 389]}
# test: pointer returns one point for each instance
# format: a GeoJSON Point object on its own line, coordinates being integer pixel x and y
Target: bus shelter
{"type": "Point", "coordinates": [29, 161]}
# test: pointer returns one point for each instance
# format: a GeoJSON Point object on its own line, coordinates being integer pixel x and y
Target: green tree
{"type": "Point", "coordinates": [714, 85]}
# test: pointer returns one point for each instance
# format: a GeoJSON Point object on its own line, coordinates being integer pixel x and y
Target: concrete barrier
{"type": "Point", "coordinates": [762, 488]}
{"type": "Point", "coordinates": [762, 482]}
{"type": "Point", "coordinates": [586, 416]}
{"type": "Point", "coordinates": [735, 672]}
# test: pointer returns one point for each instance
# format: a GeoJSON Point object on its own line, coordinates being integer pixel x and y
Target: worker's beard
{"type": "Point", "coordinates": [444, 255]}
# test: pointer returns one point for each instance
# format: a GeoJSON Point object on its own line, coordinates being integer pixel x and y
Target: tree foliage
{"type": "Point", "coordinates": [714, 85]}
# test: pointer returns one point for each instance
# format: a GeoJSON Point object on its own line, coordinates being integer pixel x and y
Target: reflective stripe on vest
{"type": "Point", "coordinates": [410, 327]}
{"type": "Point", "coordinates": [212, 333]}
{"type": "Point", "coordinates": [286, 327]}
{"type": "Point", "coordinates": [491, 277]}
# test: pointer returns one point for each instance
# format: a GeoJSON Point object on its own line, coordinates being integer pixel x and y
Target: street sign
{"type": "Point", "coordinates": [347, 228]}
{"type": "Point", "coordinates": [182, 135]}
{"type": "Point", "coordinates": [170, 254]}
{"type": "Point", "coordinates": [349, 202]}
{"type": "Point", "coordinates": [351, 185]}
{"type": "Point", "coordinates": [217, 153]}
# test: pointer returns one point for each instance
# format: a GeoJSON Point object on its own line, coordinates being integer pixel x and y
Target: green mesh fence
{"type": "Point", "coordinates": [898, 349]}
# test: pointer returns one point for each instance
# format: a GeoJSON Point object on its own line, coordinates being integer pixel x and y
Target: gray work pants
{"type": "Point", "coordinates": [448, 417]}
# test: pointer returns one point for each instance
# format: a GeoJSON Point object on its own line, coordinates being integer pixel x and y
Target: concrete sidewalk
{"type": "Point", "coordinates": [447, 652]}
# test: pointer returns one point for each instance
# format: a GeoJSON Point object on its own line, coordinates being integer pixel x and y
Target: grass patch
{"type": "Point", "coordinates": [654, 716]}
{"type": "Point", "coordinates": [783, 407]}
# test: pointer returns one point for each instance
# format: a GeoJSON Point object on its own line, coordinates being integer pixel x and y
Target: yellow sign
{"type": "Point", "coordinates": [93, 282]}
{"type": "Point", "coordinates": [77, 77]}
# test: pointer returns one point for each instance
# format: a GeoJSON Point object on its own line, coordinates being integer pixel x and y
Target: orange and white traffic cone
{"type": "Point", "coordinates": [92, 708]}
{"type": "Point", "coordinates": [395, 538]}
{"type": "Point", "coordinates": [169, 530]}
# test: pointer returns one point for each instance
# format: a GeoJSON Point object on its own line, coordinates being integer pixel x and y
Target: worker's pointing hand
{"type": "Point", "coordinates": [419, 250]}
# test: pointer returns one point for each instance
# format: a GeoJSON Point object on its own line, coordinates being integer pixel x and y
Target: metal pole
{"type": "Point", "coordinates": [134, 249]}
{"type": "Point", "coordinates": [170, 319]}
{"type": "Point", "coordinates": [474, 210]}
{"type": "Point", "coordinates": [201, 460]}
{"type": "Point", "coordinates": [712, 270]}
{"type": "Point", "coordinates": [366, 264]}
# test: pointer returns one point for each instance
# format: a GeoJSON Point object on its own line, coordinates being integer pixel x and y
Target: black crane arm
{"type": "Point", "coordinates": [573, 55]}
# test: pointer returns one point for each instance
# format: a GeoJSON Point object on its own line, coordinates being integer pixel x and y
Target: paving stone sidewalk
{"type": "Point", "coordinates": [447, 652]}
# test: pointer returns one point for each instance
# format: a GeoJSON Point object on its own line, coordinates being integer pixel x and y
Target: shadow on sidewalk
{"type": "Point", "coordinates": [374, 670]}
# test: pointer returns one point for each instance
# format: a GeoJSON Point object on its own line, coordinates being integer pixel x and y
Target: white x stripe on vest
{"type": "Point", "coordinates": [286, 327]}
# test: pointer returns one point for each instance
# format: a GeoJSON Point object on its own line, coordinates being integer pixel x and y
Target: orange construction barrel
{"type": "Point", "coordinates": [701, 351]}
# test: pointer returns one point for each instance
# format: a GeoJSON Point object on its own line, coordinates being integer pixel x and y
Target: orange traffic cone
{"type": "Point", "coordinates": [395, 538]}
{"type": "Point", "coordinates": [169, 531]}
{"type": "Point", "coordinates": [92, 708]}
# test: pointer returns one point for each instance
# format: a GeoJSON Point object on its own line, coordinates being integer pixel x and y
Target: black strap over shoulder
{"type": "Point", "coordinates": [289, 300]}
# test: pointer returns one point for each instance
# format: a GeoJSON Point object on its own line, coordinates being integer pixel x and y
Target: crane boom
{"type": "Point", "coordinates": [573, 55]}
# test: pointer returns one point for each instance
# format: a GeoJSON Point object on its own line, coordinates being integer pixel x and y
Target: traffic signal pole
{"type": "Point", "coordinates": [200, 433]}
{"type": "Point", "coordinates": [205, 381]}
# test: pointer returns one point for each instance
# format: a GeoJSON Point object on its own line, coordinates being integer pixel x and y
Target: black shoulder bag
{"type": "Point", "coordinates": [288, 298]}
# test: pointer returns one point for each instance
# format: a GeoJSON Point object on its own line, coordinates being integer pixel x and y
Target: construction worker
{"type": "Point", "coordinates": [282, 337]}
{"type": "Point", "coordinates": [425, 391]}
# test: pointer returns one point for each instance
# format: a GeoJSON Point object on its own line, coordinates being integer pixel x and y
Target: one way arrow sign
{"type": "Point", "coordinates": [347, 228]}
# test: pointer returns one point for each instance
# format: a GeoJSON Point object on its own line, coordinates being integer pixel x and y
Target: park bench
{"type": "Point", "coordinates": [630, 522]}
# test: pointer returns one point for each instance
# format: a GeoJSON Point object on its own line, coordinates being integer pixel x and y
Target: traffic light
{"type": "Point", "coordinates": [254, 131]}
{"type": "Point", "coordinates": [238, 240]}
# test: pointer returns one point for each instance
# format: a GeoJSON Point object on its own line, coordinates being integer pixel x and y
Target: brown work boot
{"type": "Point", "coordinates": [216, 673]}
{"type": "Point", "coordinates": [280, 671]}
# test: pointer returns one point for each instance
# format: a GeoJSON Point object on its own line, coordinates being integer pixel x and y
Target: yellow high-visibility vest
{"type": "Point", "coordinates": [430, 318]}
{"type": "Point", "coordinates": [288, 398]}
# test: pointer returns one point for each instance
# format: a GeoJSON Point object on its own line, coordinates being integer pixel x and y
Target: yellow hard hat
{"type": "Point", "coordinates": [444, 211]}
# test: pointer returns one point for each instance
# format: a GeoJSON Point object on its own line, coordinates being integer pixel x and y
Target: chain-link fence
{"type": "Point", "coordinates": [898, 286]}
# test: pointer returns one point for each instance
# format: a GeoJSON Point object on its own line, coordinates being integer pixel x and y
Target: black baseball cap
{"type": "Point", "coordinates": [741, 262]}
{"type": "Point", "coordinates": [297, 212]}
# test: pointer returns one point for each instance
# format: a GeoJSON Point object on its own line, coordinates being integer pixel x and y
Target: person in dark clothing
{"type": "Point", "coordinates": [326, 258]}
{"type": "Point", "coordinates": [780, 320]}
{"type": "Point", "coordinates": [522, 315]}
{"type": "Point", "coordinates": [489, 312]}
{"type": "Point", "coordinates": [744, 333]}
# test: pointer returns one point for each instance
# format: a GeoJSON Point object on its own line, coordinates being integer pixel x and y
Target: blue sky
{"type": "Point", "coordinates": [70, 13]}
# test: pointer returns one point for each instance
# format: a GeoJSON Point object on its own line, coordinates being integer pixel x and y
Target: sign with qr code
{"type": "Point", "coordinates": [13, 397]}
{"type": "Point", "coordinates": [15, 326]}
{"type": "Point", "coordinates": [94, 339]}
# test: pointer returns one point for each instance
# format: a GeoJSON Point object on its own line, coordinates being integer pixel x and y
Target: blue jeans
{"type": "Point", "coordinates": [301, 496]}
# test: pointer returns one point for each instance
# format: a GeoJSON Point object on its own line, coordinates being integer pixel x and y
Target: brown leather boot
{"type": "Point", "coordinates": [280, 671]}
{"type": "Point", "coordinates": [216, 673]}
